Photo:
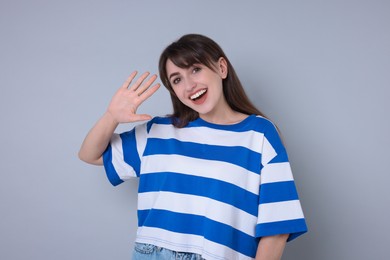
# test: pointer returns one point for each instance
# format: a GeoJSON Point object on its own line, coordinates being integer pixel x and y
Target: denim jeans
{"type": "Point", "coordinates": [152, 252]}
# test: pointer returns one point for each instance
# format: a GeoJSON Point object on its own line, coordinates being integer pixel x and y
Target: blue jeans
{"type": "Point", "coordinates": [152, 252]}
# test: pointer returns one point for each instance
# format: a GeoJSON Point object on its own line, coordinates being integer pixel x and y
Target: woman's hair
{"type": "Point", "coordinates": [193, 49]}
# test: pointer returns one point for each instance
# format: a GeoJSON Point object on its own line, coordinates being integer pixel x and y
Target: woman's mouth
{"type": "Point", "coordinates": [198, 94]}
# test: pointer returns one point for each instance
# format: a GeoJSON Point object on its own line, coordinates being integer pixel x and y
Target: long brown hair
{"type": "Point", "coordinates": [193, 49]}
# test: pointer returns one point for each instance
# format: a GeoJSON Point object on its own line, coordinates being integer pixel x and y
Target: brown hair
{"type": "Point", "coordinates": [191, 49]}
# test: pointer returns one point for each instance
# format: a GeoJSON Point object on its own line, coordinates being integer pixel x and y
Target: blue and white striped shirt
{"type": "Point", "coordinates": [209, 189]}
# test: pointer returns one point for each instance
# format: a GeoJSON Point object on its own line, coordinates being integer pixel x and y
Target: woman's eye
{"type": "Point", "coordinates": [196, 69]}
{"type": "Point", "coordinates": [176, 81]}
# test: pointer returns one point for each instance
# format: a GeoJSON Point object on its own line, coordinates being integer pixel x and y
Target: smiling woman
{"type": "Point", "coordinates": [200, 88]}
{"type": "Point", "coordinates": [214, 177]}
{"type": "Point", "coordinates": [194, 52]}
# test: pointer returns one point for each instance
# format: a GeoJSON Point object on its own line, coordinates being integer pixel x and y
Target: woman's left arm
{"type": "Point", "coordinates": [271, 247]}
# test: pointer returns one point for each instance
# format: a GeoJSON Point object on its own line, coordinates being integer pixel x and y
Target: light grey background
{"type": "Point", "coordinates": [319, 69]}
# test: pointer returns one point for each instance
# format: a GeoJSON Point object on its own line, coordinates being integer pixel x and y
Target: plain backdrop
{"type": "Point", "coordinates": [318, 69]}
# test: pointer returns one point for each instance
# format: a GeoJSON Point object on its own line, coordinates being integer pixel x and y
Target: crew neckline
{"type": "Point", "coordinates": [201, 122]}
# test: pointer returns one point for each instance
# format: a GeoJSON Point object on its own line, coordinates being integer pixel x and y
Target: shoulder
{"type": "Point", "coordinates": [261, 124]}
{"type": "Point", "coordinates": [158, 121]}
{"type": "Point", "coordinates": [269, 131]}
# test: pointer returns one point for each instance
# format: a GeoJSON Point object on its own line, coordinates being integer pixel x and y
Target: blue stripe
{"type": "Point", "coordinates": [200, 186]}
{"type": "Point", "coordinates": [199, 225]}
{"type": "Point", "coordinates": [273, 137]}
{"type": "Point", "coordinates": [159, 121]}
{"type": "Point", "coordinates": [280, 157]}
{"type": "Point", "coordinates": [252, 122]}
{"type": "Point", "coordinates": [260, 124]}
{"type": "Point", "coordinates": [129, 146]}
{"type": "Point", "coordinates": [243, 126]}
{"type": "Point", "coordinates": [278, 191]}
{"type": "Point", "coordinates": [237, 155]}
{"type": "Point", "coordinates": [109, 167]}
{"type": "Point", "coordinates": [295, 228]}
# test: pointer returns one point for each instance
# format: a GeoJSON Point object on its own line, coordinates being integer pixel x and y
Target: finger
{"type": "Point", "coordinates": [129, 79]}
{"type": "Point", "coordinates": [149, 92]}
{"type": "Point", "coordinates": [142, 117]}
{"type": "Point", "coordinates": [139, 81]}
{"type": "Point", "coordinates": [146, 85]}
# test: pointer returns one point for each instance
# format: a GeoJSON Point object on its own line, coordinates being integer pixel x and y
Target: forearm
{"type": "Point", "coordinates": [122, 109]}
{"type": "Point", "coordinates": [271, 248]}
{"type": "Point", "coordinates": [97, 140]}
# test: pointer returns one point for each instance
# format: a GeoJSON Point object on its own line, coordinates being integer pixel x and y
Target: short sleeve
{"type": "Point", "coordinates": [280, 211]}
{"type": "Point", "coordinates": [122, 158]}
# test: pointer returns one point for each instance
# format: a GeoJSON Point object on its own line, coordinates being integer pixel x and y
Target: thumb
{"type": "Point", "coordinates": [142, 117]}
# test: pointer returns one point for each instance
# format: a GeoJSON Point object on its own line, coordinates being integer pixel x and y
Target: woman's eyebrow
{"type": "Point", "coordinates": [173, 74]}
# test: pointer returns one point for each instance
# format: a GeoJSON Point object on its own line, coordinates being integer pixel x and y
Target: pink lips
{"type": "Point", "coordinates": [200, 100]}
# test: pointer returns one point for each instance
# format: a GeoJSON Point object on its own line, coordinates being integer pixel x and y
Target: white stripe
{"type": "Point", "coordinates": [190, 243]}
{"type": "Point", "coordinates": [140, 137]}
{"type": "Point", "coordinates": [124, 170]}
{"type": "Point", "coordinates": [280, 211]}
{"type": "Point", "coordinates": [197, 205]}
{"type": "Point", "coordinates": [218, 170]}
{"type": "Point", "coordinates": [249, 139]}
{"type": "Point", "coordinates": [268, 152]}
{"type": "Point", "coordinates": [276, 172]}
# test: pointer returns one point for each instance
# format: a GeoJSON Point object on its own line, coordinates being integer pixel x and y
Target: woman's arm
{"type": "Point", "coordinates": [97, 140]}
{"type": "Point", "coordinates": [271, 247]}
{"type": "Point", "coordinates": [122, 109]}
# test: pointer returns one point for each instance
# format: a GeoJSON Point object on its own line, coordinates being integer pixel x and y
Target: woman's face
{"type": "Point", "coordinates": [200, 87]}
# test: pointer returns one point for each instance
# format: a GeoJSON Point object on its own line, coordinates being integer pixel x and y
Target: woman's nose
{"type": "Point", "coordinates": [190, 84]}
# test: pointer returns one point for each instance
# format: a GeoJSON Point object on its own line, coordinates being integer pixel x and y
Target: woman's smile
{"type": "Point", "coordinates": [199, 96]}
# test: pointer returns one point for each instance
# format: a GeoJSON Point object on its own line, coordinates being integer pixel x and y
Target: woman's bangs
{"type": "Point", "coordinates": [185, 58]}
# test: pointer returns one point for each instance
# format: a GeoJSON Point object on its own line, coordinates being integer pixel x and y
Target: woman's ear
{"type": "Point", "coordinates": [222, 67]}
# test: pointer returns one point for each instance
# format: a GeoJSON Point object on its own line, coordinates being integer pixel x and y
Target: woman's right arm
{"type": "Point", "coordinates": [122, 109]}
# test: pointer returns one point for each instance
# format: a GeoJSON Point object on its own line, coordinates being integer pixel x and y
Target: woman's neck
{"type": "Point", "coordinates": [225, 117]}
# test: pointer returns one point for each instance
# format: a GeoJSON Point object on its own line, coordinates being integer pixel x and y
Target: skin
{"type": "Point", "coordinates": [188, 81]}
{"type": "Point", "coordinates": [271, 247]}
{"type": "Point", "coordinates": [185, 82]}
{"type": "Point", "coordinates": [122, 109]}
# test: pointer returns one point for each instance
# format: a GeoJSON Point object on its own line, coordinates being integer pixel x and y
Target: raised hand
{"type": "Point", "coordinates": [122, 109]}
{"type": "Point", "coordinates": [124, 104]}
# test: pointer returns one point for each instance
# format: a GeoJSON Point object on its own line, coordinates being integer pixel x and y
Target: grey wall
{"type": "Point", "coordinates": [319, 69]}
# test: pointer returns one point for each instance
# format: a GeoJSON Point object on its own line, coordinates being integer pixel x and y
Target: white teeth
{"type": "Point", "coordinates": [198, 94]}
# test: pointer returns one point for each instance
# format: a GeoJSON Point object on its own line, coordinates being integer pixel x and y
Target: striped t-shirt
{"type": "Point", "coordinates": [209, 189]}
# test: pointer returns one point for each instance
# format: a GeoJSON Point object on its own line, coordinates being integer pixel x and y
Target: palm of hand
{"type": "Point", "coordinates": [124, 104]}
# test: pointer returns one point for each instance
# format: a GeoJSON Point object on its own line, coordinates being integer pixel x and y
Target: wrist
{"type": "Point", "coordinates": [109, 118]}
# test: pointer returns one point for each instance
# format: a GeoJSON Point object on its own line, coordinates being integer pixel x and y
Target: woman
{"type": "Point", "coordinates": [215, 181]}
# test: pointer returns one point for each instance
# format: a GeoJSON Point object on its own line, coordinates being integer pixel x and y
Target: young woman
{"type": "Point", "coordinates": [214, 177]}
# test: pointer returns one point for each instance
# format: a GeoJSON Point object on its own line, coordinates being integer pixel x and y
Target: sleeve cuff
{"type": "Point", "coordinates": [112, 175]}
{"type": "Point", "coordinates": [294, 227]}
